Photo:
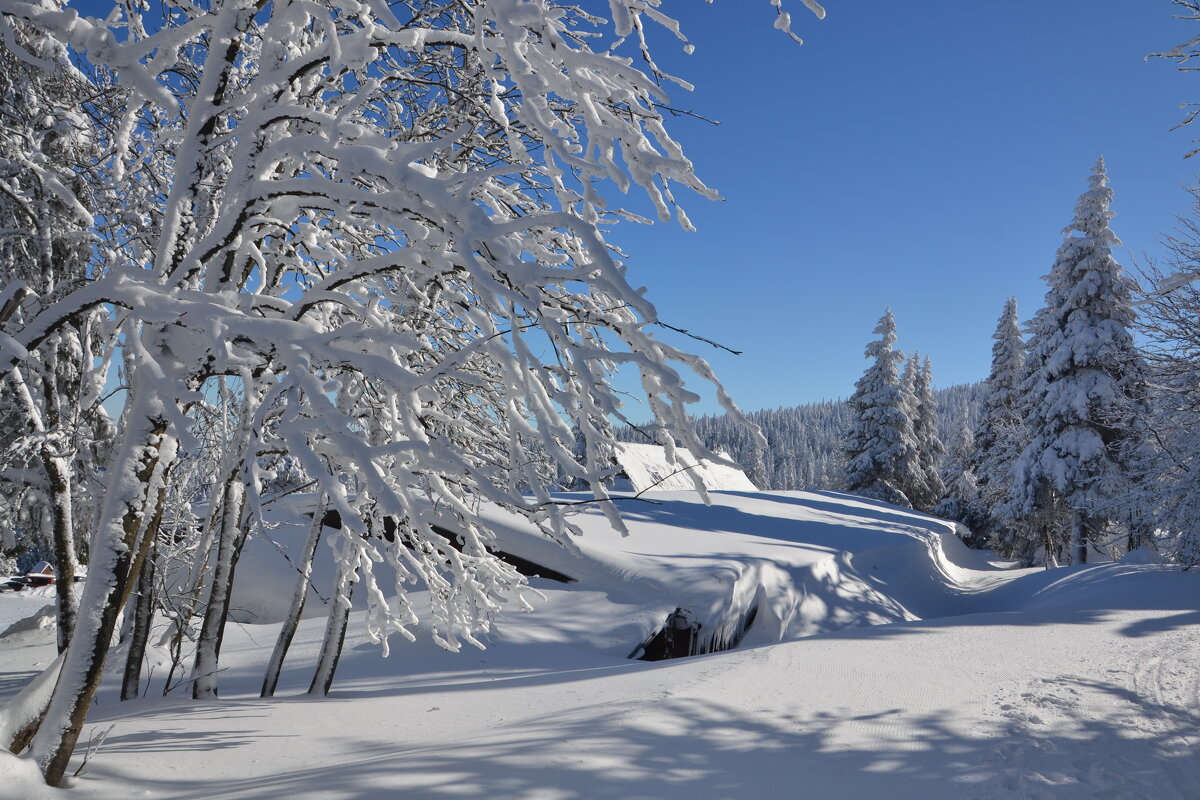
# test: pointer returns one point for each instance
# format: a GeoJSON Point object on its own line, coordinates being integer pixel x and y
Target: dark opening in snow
{"type": "Point", "coordinates": [683, 635]}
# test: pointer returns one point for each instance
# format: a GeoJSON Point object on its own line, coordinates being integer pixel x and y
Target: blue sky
{"type": "Point", "coordinates": [918, 154]}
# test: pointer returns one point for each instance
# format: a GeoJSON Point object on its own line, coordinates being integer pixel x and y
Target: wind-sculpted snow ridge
{"type": "Point", "coordinates": [804, 563]}
{"type": "Point", "coordinates": [799, 563]}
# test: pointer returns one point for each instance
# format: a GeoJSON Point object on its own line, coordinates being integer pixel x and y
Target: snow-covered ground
{"type": "Point", "coordinates": [885, 660]}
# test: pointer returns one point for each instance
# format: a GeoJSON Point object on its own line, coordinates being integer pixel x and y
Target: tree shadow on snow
{"type": "Point", "coordinates": [1146, 627]}
{"type": "Point", "coordinates": [840, 506]}
{"type": "Point", "coordinates": [13, 682]}
{"type": "Point", "coordinates": [824, 530]}
{"type": "Point", "coordinates": [1049, 742]}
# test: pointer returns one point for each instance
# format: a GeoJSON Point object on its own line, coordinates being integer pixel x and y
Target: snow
{"type": "Point", "coordinates": [27, 616]}
{"type": "Point", "coordinates": [887, 661]}
{"type": "Point", "coordinates": [650, 470]}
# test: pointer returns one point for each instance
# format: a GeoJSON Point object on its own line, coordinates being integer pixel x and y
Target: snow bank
{"type": "Point", "coordinates": [27, 617]}
{"type": "Point", "coordinates": [803, 563]}
{"type": "Point", "coordinates": [648, 470]}
{"type": "Point", "coordinates": [19, 778]}
{"type": "Point", "coordinates": [807, 562]}
{"type": "Point", "coordinates": [33, 628]}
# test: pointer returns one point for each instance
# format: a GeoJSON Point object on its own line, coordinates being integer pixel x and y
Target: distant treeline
{"type": "Point", "coordinates": [804, 443]}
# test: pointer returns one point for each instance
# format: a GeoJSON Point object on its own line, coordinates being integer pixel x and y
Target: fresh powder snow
{"type": "Point", "coordinates": [885, 659]}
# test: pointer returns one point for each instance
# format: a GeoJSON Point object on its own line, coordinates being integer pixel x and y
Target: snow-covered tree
{"type": "Point", "coordinates": [880, 446]}
{"type": "Point", "coordinates": [363, 222]}
{"type": "Point", "coordinates": [913, 479]}
{"type": "Point", "coordinates": [1184, 55]}
{"type": "Point", "coordinates": [960, 497]}
{"type": "Point", "coordinates": [1168, 491]}
{"type": "Point", "coordinates": [53, 431]}
{"type": "Point", "coordinates": [927, 484]}
{"type": "Point", "coordinates": [1085, 385]}
{"type": "Point", "coordinates": [1000, 433]}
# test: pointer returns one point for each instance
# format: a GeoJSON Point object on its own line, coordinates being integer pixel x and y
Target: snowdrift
{"type": "Point", "coordinates": [796, 563]}
{"type": "Point", "coordinates": [648, 470]}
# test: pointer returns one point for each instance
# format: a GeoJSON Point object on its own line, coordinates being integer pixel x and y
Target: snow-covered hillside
{"type": "Point", "coordinates": [884, 660]}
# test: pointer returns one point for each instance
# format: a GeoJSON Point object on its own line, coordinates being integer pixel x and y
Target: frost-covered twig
{"type": "Point", "coordinates": [95, 741]}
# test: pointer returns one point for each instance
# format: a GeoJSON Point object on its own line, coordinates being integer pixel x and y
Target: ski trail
{"type": "Point", "coordinates": [1130, 733]}
{"type": "Point", "coordinates": [1167, 680]}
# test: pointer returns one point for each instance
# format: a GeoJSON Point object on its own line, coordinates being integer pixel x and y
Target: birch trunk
{"type": "Point", "coordinates": [1048, 546]}
{"type": "Point", "coordinates": [143, 615]}
{"type": "Point", "coordinates": [58, 470]}
{"type": "Point", "coordinates": [57, 465]}
{"type": "Point", "coordinates": [271, 678]}
{"type": "Point", "coordinates": [20, 717]}
{"type": "Point", "coordinates": [335, 627]}
{"type": "Point", "coordinates": [234, 526]}
{"type": "Point", "coordinates": [131, 509]}
{"type": "Point", "coordinates": [212, 629]}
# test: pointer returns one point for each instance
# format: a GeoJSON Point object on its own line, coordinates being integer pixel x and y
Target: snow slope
{"type": "Point", "coordinates": [887, 661]}
{"type": "Point", "coordinates": [648, 470]}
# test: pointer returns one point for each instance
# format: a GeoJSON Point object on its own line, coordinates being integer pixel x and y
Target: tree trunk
{"type": "Point", "coordinates": [185, 611]}
{"type": "Point", "coordinates": [335, 627]}
{"type": "Point", "coordinates": [1048, 546]}
{"type": "Point", "coordinates": [143, 615]}
{"type": "Point", "coordinates": [58, 472]}
{"type": "Point", "coordinates": [271, 678]}
{"type": "Point", "coordinates": [1140, 534]}
{"type": "Point", "coordinates": [20, 717]}
{"type": "Point", "coordinates": [62, 515]}
{"type": "Point", "coordinates": [1078, 537]}
{"type": "Point", "coordinates": [131, 512]}
{"type": "Point", "coordinates": [63, 524]}
{"type": "Point", "coordinates": [231, 536]}
{"type": "Point", "coordinates": [212, 629]}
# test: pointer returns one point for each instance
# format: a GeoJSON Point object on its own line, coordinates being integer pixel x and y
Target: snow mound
{"type": "Point", "coordinates": [35, 628]}
{"type": "Point", "coordinates": [797, 563]}
{"type": "Point", "coordinates": [649, 470]}
{"type": "Point", "coordinates": [1073, 682]}
{"type": "Point", "coordinates": [19, 777]}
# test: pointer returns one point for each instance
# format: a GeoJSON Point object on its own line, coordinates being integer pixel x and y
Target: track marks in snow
{"type": "Point", "coordinates": [1167, 679]}
{"type": "Point", "coordinates": [1132, 735]}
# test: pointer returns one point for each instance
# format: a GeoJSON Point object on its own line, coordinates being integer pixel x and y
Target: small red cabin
{"type": "Point", "coordinates": [41, 575]}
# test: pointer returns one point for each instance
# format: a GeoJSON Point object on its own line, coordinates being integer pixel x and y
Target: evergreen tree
{"type": "Point", "coordinates": [879, 441]}
{"type": "Point", "coordinates": [1000, 434]}
{"type": "Point", "coordinates": [1085, 383]}
{"type": "Point", "coordinates": [930, 451]}
{"type": "Point", "coordinates": [805, 444]}
{"type": "Point", "coordinates": [912, 478]}
{"type": "Point", "coordinates": [960, 498]}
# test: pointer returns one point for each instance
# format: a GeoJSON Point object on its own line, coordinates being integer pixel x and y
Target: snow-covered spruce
{"type": "Point", "coordinates": [927, 485]}
{"type": "Point", "coordinates": [881, 451]}
{"type": "Point", "coordinates": [1084, 388]}
{"type": "Point", "coordinates": [960, 498]}
{"type": "Point", "coordinates": [1000, 436]}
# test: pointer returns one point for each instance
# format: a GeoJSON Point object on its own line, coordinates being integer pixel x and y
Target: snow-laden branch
{"type": "Point", "coordinates": [382, 226]}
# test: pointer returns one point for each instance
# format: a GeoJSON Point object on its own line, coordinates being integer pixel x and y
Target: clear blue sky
{"type": "Point", "coordinates": [918, 154]}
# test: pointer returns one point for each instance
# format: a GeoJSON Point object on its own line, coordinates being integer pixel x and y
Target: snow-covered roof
{"type": "Point", "coordinates": [648, 469]}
